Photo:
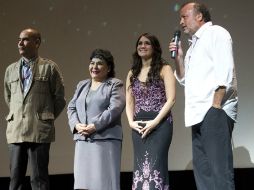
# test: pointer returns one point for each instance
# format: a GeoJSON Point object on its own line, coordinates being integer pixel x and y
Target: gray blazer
{"type": "Point", "coordinates": [31, 115]}
{"type": "Point", "coordinates": [105, 112]}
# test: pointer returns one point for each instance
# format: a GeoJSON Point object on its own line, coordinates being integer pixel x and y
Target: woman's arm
{"type": "Point", "coordinates": [74, 122]}
{"type": "Point", "coordinates": [130, 105]}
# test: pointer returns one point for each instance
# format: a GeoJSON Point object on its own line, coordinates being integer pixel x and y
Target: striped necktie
{"type": "Point", "coordinates": [26, 74]}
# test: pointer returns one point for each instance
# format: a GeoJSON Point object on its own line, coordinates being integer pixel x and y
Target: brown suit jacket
{"type": "Point", "coordinates": [31, 115]}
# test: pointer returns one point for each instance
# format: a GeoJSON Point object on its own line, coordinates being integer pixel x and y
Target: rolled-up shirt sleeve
{"type": "Point", "coordinates": [181, 81]}
{"type": "Point", "coordinates": [223, 59]}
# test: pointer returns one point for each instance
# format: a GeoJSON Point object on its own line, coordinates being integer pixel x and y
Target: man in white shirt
{"type": "Point", "coordinates": [208, 74]}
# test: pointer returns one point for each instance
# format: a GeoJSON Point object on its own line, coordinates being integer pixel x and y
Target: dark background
{"type": "Point", "coordinates": [72, 29]}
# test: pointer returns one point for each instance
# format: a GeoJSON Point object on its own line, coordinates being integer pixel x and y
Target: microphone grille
{"type": "Point", "coordinates": [177, 33]}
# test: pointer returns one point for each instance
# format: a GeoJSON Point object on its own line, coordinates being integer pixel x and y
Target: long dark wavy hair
{"type": "Point", "coordinates": [157, 61]}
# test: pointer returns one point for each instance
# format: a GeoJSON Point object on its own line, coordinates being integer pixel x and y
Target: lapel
{"type": "Point", "coordinates": [18, 74]}
{"type": "Point", "coordinates": [81, 94]}
{"type": "Point", "coordinates": [84, 89]}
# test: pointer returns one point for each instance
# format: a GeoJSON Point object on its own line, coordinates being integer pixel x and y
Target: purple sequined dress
{"type": "Point", "coordinates": [151, 153]}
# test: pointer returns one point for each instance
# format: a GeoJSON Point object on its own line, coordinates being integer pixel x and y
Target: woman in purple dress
{"type": "Point", "coordinates": [150, 96]}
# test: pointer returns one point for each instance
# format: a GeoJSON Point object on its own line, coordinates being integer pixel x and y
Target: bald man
{"type": "Point", "coordinates": [34, 93]}
{"type": "Point", "coordinates": [207, 72]}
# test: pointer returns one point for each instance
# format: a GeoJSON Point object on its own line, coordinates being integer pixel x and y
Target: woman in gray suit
{"type": "Point", "coordinates": [94, 115]}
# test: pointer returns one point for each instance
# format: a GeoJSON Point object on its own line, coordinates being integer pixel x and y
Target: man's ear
{"type": "Point", "coordinates": [38, 42]}
{"type": "Point", "coordinates": [199, 17]}
{"type": "Point", "coordinates": [109, 69]}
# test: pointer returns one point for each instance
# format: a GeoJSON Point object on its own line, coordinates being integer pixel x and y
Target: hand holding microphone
{"type": "Point", "coordinates": [173, 46]}
{"type": "Point", "coordinates": [176, 53]}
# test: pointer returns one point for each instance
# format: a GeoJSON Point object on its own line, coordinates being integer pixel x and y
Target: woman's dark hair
{"type": "Point", "coordinates": [200, 8]}
{"type": "Point", "coordinates": [157, 61]}
{"type": "Point", "coordinates": [106, 56]}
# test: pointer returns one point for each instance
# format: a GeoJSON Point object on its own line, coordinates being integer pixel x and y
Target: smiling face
{"type": "Point", "coordinates": [190, 20]}
{"type": "Point", "coordinates": [98, 69]}
{"type": "Point", "coordinates": [144, 48]}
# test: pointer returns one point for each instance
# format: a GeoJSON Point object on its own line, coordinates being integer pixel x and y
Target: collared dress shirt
{"type": "Point", "coordinates": [26, 74]}
{"type": "Point", "coordinates": [208, 65]}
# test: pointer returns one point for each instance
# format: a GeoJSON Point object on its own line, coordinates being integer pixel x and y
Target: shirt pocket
{"type": "Point", "coordinates": [14, 84]}
{"type": "Point", "coordinates": [41, 84]}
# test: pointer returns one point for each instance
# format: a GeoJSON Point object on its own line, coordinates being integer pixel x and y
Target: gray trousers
{"type": "Point", "coordinates": [38, 156]}
{"type": "Point", "coordinates": [212, 151]}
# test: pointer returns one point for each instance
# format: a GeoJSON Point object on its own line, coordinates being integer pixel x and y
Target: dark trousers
{"type": "Point", "coordinates": [38, 156]}
{"type": "Point", "coordinates": [212, 151]}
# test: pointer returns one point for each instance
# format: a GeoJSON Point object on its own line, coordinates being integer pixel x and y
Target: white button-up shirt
{"type": "Point", "coordinates": [208, 64]}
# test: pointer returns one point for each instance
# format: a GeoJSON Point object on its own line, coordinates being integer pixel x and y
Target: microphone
{"type": "Point", "coordinates": [176, 39]}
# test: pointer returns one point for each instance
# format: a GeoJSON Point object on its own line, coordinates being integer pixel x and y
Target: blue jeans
{"type": "Point", "coordinates": [212, 151]}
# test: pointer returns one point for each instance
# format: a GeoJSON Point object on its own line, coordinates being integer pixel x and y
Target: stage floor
{"type": "Point", "coordinates": [179, 180]}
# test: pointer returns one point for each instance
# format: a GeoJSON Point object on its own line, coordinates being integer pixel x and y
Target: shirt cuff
{"type": "Point", "coordinates": [181, 81]}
